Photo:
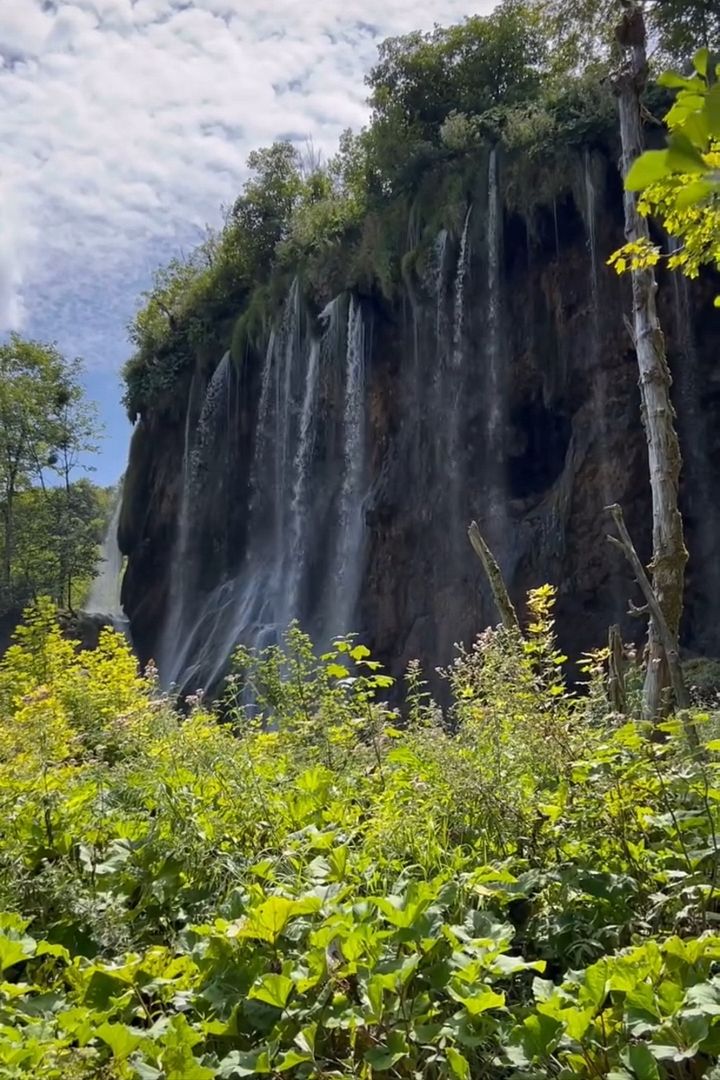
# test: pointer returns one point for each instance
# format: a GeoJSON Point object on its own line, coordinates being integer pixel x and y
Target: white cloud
{"type": "Point", "coordinates": [125, 125]}
{"type": "Point", "coordinates": [16, 242]}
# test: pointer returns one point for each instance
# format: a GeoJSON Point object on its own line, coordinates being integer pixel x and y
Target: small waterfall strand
{"type": "Point", "coordinates": [348, 554]}
{"type": "Point", "coordinates": [459, 310]}
{"type": "Point", "coordinates": [591, 223]}
{"type": "Point", "coordinates": [171, 638]}
{"type": "Point", "coordinates": [201, 456]}
{"type": "Point", "coordinates": [104, 598]}
{"type": "Point", "coordinates": [299, 509]}
{"type": "Point", "coordinates": [494, 242]}
{"type": "Point", "coordinates": [283, 428]}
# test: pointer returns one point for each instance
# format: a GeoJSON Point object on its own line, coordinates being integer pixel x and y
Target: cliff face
{"type": "Point", "coordinates": [330, 474]}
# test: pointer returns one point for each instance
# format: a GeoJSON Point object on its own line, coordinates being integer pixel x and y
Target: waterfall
{"type": "Point", "coordinates": [299, 510]}
{"type": "Point", "coordinates": [201, 456]}
{"type": "Point", "coordinates": [348, 551]}
{"type": "Point", "coordinates": [171, 633]}
{"type": "Point", "coordinates": [104, 598]}
{"type": "Point", "coordinates": [288, 508]}
{"type": "Point", "coordinates": [494, 242]}
{"type": "Point", "coordinates": [282, 435]}
{"type": "Point", "coordinates": [438, 279]}
{"type": "Point", "coordinates": [496, 517]}
{"type": "Point", "coordinates": [606, 494]}
{"type": "Point", "coordinates": [439, 447]}
{"type": "Point", "coordinates": [451, 403]}
{"type": "Point", "coordinates": [591, 224]}
{"type": "Point", "coordinates": [196, 462]}
{"type": "Point", "coordinates": [201, 645]}
{"type": "Point", "coordinates": [255, 603]}
{"type": "Point", "coordinates": [459, 309]}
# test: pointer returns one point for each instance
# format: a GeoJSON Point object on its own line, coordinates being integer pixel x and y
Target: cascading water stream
{"type": "Point", "coordinates": [196, 461]}
{"type": "Point", "coordinates": [206, 643]}
{"type": "Point", "coordinates": [440, 255]}
{"type": "Point", "coordinates": [170, 640]}
{"type": "Point", "coordinates": [606, 495]}
{"type": "Point", "coordinates": [454, 376]}
{"type": "Point", "coordinates": [494, 314]}
{"type": "Point", "coordinates": [497, 516]}
{"type": "Point", "coordinates": [591, 225]}
{"type": "Point", "coordinates": [590, 216]}
{"type": "Point", "coordinates": [299, 508]}
{"type": "Point", "coordinates": [201, 455]}
{"type": "Point", "coordinates": [458, 352]}
{"type": "Point", "coordinates": [256, 604]}
{"type": "Point", "coordinates": [351, 526]}
{"type": "Point", "coordinates": [104, 598]}
{"type": "Point", "coordinates": [440, 448]}
{"type": "Point", "coordinates": [283, 429]}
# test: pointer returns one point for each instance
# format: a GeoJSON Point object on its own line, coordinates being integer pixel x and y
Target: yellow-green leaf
{"type": "Point", "coordinates": [459, 1065]}
{"type": "Point", "coordinates": [273, 990]}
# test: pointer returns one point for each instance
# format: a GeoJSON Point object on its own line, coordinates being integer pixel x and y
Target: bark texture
{"type": "Point", "coordinates": [658, 417]}
{"type": "Point", "coordinates": [493, 573]}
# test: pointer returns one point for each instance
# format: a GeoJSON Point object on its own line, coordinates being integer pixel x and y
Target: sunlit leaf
{"type": "Point", "coordinates": [273, 990]}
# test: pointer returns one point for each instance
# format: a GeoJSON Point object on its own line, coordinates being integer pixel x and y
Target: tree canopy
{"type": "Point", "coordinates": [51, 521]}
{"type": "Point", "coordinates": [532, 75]}
{"type": "Point", "coordinates": [680, 185]}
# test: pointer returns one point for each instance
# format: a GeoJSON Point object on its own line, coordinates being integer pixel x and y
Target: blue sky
{"type": "Point", "coordinates": [125, 126]}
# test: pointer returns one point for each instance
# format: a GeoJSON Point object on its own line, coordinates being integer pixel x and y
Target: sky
{"type": "Point", "coordinates": [125, 126]}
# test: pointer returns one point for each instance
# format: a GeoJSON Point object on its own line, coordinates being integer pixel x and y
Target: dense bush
{"type": "Point", "coordinates": [322, 886]}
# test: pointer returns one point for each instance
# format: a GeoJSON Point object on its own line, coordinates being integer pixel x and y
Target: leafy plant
{"type": "Point", "coordinates": [325, 885]}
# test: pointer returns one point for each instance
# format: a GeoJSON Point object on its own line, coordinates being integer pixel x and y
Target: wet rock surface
{"type": "Point", "coordinates": [500, 386]}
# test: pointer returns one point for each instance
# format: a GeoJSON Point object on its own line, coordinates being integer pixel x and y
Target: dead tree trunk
{"type": "Point", "coordinates": [493, 573]}
{"type": "Point", "coordinates": [669, 554]}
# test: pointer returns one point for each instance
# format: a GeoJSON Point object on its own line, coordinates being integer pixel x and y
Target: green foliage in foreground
{"type": "Point", "coordinates": [680, 185]}
{"type": "Point", "coordinates": [524, 887]}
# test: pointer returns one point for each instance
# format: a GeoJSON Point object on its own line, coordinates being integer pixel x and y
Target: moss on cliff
{"type": "Point", "coordinates": [367, 219]}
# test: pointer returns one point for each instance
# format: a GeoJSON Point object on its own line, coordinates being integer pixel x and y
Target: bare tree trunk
{"type": "Point", "coordinates": [493, 572]}
{"type": "Point", "coordinates": [669, 552]}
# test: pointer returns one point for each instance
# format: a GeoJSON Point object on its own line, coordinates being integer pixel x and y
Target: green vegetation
{"type": "Point", "coordinates": [681, 184]}
{"type": "Point", "coordinates": [524, 886]}
{"type": "Point", "coordinates": [520, 886]}
{"type": "Point", "coordinates": [437, 100]}
{"type": "Point", "coordinates": [532, 77]}
{"type": "Point", "coordinates": [51, 521]}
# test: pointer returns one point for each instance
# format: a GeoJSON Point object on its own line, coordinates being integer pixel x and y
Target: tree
{"type": "Point", "coordinates": [669, 553]}
{"type": "Point", "coordinates": [74, 430]}
{"type": "Point", "coordinates": [46, 426]}
{"type": "Point", "coordinates": [580, 32]}
{"type": "Point", "coordinates": [58, 534]}
{"type": "Point", "coordinates": [684, 25]}
{"type": "Point", "coordinates": [472, 68]}
{"type": "Point", "coordinates": [680, 185]}
{"type": "Point", "coordinates": [30, 383]}
{"type": "Point", "coordinates": [264, 210]}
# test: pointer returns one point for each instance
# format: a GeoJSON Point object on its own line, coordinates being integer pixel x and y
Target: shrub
{"type": "Point", "coordinates": [319, 884]}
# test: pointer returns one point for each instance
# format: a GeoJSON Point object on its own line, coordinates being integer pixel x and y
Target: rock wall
{"type": "Point", "coordinates": [499, 384]}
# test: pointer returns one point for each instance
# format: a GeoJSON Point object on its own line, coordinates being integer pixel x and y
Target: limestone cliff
{"type": "Point", "coordinates": [328, 472]}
